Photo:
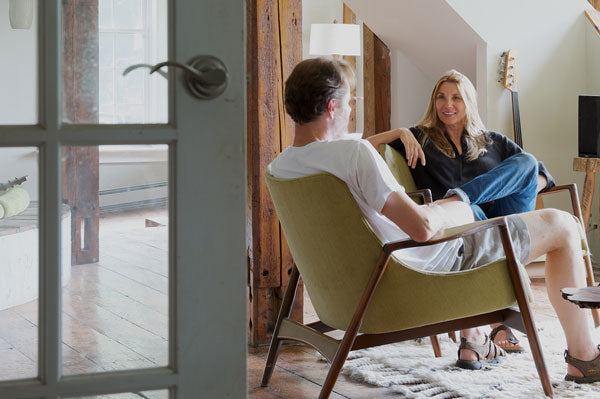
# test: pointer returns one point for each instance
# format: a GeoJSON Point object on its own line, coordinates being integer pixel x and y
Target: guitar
{"type": "Point", "coordinates": [12, 183]}
{"type": "Point", "coordinates": [510, 78]}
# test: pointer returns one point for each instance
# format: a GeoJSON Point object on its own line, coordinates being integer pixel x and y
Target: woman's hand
{"type": "Point", "coordinates": [413, 149]}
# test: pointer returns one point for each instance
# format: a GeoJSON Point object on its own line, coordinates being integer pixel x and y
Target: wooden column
{"type": "Point", "coordinates": [350, 18]}
{"type": "Point", "coordinates": [80, 105]}
{"type": "Point", "coordinates": [377, 84]}
{"type": "Point", "coordinates": [274, 47]}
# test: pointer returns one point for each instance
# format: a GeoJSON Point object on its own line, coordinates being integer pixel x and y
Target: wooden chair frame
{"type": "Point", "coordinates": [575, 204]}
{"type": "Point", "coordinates": [336, 351]}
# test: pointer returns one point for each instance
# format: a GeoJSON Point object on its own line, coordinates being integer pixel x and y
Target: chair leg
{"type": "Point", "coordinates": [534, 342]}
{"type": "Point", "coordinates": [590, 282]}
{"type": "Point", "coordinates": [435, 344]}
{"type": "Point", "coordinates": [350, 335]}
{"type": "Point", "coordinates": [452, 335]}
{"type": "Point", "coordinates": [284, 311]}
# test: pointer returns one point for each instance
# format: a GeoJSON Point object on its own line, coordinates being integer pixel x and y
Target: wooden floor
{"type": "Point", "coordinates": [299, 373]}
{"type": "Point", "coordinates": [115, 312]}
{"type": "Point", "coordinates": [115, 316]}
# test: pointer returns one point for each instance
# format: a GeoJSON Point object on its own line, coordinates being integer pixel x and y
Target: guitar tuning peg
{"type": "Point", "coordinates": [511, 67]}
{"type": "Point", "coordinates": [500, 80]}
{"type": "Point", "coordinates": [503, 54]}
{"type": "Point", "coordinates": [502, 71]}
{"type": "Point", "coordinates": [512, 58]}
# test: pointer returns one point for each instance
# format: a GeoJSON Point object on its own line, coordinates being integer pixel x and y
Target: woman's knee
{"type": "Point", "coordinates": [526, 162]}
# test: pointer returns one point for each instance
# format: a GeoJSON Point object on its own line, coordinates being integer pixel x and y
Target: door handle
{"type": "Point", "coordinates": [206, 76]}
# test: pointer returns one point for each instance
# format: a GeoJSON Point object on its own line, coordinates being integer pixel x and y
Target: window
{"type": "Point", "coordinates": [131, 33]}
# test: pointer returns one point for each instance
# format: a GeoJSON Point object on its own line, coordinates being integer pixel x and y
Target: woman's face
{"type": "Point", "coordinates": [450, 106]}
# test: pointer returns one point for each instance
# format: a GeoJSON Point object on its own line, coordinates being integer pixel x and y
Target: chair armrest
{"type": "Point", "coordinates": [554, 189]}
{"type": "Point", "coordinates": [425, 195]}
{"type": "Point", "coordinates": [449, 234]}
{"type": "Point", "coordinates": [572, 188]}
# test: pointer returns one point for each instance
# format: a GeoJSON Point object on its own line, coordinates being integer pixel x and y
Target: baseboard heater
{"type": "Point", "coordinates": [117, 205]}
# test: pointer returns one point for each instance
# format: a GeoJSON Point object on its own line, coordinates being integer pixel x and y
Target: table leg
{"type": "Point", "coordinates": [586, 199]}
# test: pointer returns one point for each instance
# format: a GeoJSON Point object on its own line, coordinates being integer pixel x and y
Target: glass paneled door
{"type": "Point", "coordinates": [125, 243]}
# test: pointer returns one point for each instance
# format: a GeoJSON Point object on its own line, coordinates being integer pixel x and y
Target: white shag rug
{"type": "Point", "coordinates": [410, 369]}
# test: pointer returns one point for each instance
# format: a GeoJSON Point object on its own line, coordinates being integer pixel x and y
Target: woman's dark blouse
{"type": "Point", "coordinates": [442, 173]}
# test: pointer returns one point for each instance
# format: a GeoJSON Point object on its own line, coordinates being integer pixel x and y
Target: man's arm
{"type": "Point", "coordinates": [424, 222]}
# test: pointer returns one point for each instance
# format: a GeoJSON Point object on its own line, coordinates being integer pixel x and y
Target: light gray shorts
{"type": "Point", "coordinates": [486, 246]}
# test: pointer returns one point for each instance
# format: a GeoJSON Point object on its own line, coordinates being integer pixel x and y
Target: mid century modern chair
{"type": "Point", "coordinates": [358, 286]}
{"type": "Point", "coordinates": [401, 172]}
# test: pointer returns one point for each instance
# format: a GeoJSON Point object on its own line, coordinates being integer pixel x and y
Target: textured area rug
{"type": "Point", "coordinates": [411, 370]}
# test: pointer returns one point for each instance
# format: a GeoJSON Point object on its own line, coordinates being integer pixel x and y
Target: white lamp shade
{"type": "Point", "coordinates": [339, 39]}
{"type": "Point", "coordinates": [20, 13]}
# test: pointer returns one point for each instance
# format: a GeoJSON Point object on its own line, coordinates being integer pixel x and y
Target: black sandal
{"type": "Point", "coordinates": [589, 368]}
{"type": "Point", "coordinates": [514, 346]}
{"type": "Point", "coordinates": [488, 352]}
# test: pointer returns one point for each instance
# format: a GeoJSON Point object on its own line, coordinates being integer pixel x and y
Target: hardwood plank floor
{"type": "Point", "coordinates": [115, 312]}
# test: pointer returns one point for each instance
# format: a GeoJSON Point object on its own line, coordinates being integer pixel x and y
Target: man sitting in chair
{"type": "Point", "coordinates": [317, 97]}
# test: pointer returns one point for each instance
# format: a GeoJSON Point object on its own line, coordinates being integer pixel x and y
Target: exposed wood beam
{"type": "Point", "coordinates": [377, 82]}
{"type": "Point", "coordinates": [274, 47]}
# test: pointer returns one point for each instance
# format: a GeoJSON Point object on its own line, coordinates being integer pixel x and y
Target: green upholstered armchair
{"type": "Point", "coordinates": [357, 285]}
{"type": "Point", "coordinates": [401, 172]}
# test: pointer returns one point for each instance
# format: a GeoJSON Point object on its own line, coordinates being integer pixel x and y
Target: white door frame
{"type": "Point", "coordinates": [207, 333]}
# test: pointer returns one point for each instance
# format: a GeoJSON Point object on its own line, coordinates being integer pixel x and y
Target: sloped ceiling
{"type": "Point", "coordinates": [429, 32]}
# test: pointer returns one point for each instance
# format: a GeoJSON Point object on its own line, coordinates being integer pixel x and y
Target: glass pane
{"type": "Point", "coordinates": [119, 34]}
{"type": "Point", "coordinates": [18, 44]}
{"type": "Point", "coordinates": [115, 307]}
{"type": "Point", "coordinates": [19, 237]}
{"type": "Point", "coordinates": [160, 394]}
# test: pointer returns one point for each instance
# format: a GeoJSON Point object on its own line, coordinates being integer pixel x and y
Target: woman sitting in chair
{"type": "Point", "coordinates": [459, 157]}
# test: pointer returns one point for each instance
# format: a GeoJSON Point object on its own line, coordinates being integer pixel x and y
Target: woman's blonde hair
{"type": "Point", "coordinates": [474, 131]}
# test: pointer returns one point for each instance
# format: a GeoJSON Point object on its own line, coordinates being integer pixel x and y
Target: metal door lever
{"type": "Point", "coordinates": [206, 76]}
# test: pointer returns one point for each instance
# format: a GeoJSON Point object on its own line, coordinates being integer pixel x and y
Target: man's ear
{"type": "Point", "coordinates": [331, 107]}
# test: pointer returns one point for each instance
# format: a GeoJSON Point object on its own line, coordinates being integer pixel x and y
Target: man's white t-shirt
{"type": "Point", "coordinates": [370, 181]}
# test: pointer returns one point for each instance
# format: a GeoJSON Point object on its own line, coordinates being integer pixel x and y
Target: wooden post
{"type": "Point", "coordinates": [80, 105]}
{"type": "Point", "coordinates": [274, 47]}
{"type": "Point", "coordinates": [377, 84]}
{"type": "Point", "coordinates": [590, 166]}
{"type": "Point", "coordinates": [350, 18]}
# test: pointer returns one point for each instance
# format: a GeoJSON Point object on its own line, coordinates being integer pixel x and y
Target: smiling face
{"type": "Point", "coordinates": [450, 106]}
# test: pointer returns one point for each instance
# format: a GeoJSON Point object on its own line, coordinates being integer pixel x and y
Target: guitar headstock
{"type": "Point", "coordinates": [508, 70]}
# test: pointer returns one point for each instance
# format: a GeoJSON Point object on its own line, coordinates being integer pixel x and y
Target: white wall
{"type": "Point", "coordinates": [410, 90]}
{"type": "Point", "coordinates": [18, 96]}
{"type": "Point", "coordinates": [18, 71]}
{"type": "Point", "coordinates": [592, 39]}
{"type": "Point", "coordinates": [559, 59]}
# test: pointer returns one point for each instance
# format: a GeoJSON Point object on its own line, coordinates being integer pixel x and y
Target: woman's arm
{"type": "Point", "coordinates": [412, 147]}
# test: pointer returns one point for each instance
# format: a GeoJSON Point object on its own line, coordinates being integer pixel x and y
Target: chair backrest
{"type": "Point", "coordinates": [333, 246]}
{"type": "Point", "coordinates": [336, 250]}
{"type": "Point", "coordinates": [397, 164]}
